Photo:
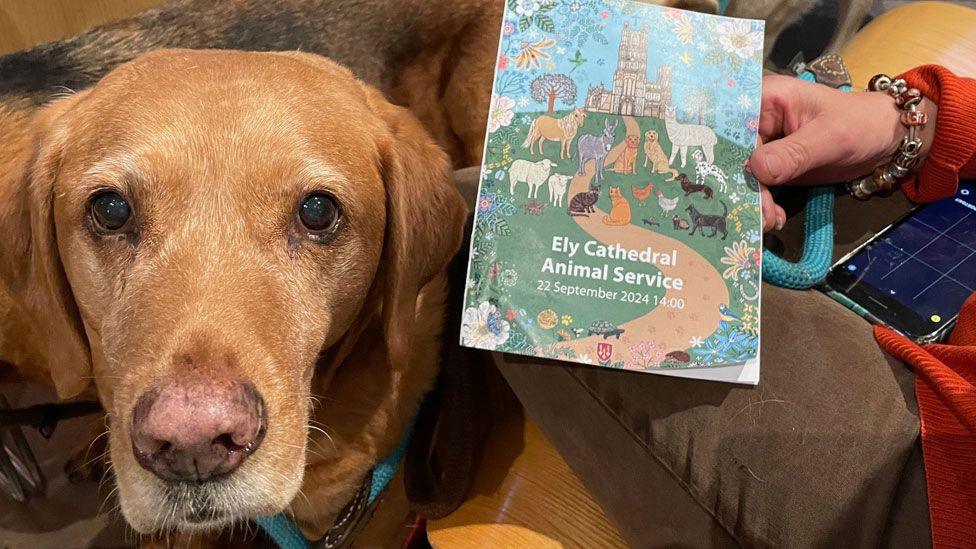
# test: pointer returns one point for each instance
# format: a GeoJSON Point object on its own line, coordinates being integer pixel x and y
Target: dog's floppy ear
{"type": "Point", "coordinates": [425, 217]}
{"type": "Point", "coordinates": [31, 272]}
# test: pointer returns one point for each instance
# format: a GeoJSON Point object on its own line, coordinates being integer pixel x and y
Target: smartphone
{"type": "Point", "coordinates": [915, 275]}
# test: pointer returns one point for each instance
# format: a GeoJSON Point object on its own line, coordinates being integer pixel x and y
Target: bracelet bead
{"type": "Point", "coordinates": [879, 82]}
{"type": "Point", "coordinates": [906, 158]}
{"type": "Point", "coordinates": [914, 118]}
{"type": "Point", "coordinates": [909, 97]}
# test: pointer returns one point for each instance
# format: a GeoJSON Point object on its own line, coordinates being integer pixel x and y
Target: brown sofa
{"type": "Point", "coordinates": [824, 452]}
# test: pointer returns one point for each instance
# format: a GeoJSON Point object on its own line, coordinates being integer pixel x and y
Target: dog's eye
{"type": "Point", "coordinates": [110, 211]}
{"type": "Point", "coordinates": [319, 213]}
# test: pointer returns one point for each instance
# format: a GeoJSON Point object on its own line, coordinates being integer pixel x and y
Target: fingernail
{"type": "Point", "coordinates": [774, 166]}
{"type": "Point", "coordinates": [779, 223]}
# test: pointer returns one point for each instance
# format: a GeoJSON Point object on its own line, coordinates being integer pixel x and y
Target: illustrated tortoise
{"type": "Point", "coordinates": [605, 328]}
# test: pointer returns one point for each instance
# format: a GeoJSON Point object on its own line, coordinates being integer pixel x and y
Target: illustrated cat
{"type": "Point", "coordinates": [582, 203]}
{"type": "Point", "coordinates": [619, 211]}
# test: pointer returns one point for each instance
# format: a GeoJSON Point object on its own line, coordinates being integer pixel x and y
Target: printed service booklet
{"type": "Point", "coordinates": [617, 223]}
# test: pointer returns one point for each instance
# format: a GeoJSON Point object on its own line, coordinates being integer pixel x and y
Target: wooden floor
{"type": "Point", "coordinates": [524, 496]}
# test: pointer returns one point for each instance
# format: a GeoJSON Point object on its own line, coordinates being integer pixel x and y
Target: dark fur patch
{"type": "Point", "coordinates": [373, 39]}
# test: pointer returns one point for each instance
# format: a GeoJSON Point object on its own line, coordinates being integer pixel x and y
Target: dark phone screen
{"type": "Point", "coordinates": [917, 274]}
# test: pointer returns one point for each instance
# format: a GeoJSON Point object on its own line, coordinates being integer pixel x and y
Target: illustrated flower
{"type": "Point", "coordinates": [486, 204]}
{"type": "Point", "coordinates": [575, 6]}
{"type": "Point", "coordinates": [683, 29]}
{"type": "Point", "coordinates": [745, 101]}
{"type": "Point", "coordinates": [501, 113]}
{"type": "Point", "coordinates": [508, 28]}
{"type": "Point", "coordinates": [734, 198]}
{"type": "Point", "coordinates": [696, 341]}
{"type": "Point", "coordinates": [604, 15]}
{"type": "Point", "coordinates": [644, 355]}
{"type": "Point", "coordinates": [510, 314]}
{"type": "Point", "coordinates": [527, 8]}
{"type": "Point", "coordinates": [500, 175]}
{"type": "Point", "coordinates": [508, 277]}
{"type": "Point", "coordinates": [523, 101]}
{"type": "Point", "coordinates": [739, 257]}
{"type": "Point", "coordinates": [560, 50]}
{"type": "Point", "coordinates": [584, 358]}
{"type": "Point", "coordinates": [547, 318]}
{"type": "Point", "coordinates": [750, 322]}
{"type": "Point", "coordinates": [502, 62]}
{"type": "Point", "coordinates": [567, 320]}
{"type": "Point", "coordinates": [738, 38]}
{"type": "Point", "coordinates": [483, 327]}
{"type": "Point", "coordinates": [752, 235]}
{"type": "Point", "coordinates": [753, 123]}
{"type": "Point", "coordinates": [529, 55]}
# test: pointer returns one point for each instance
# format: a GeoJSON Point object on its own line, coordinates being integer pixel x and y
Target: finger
{"type": "Point", "coordinates": [768, 209]}
{"type": "Point", "coordinates": [810, 147]}
{"type": "Point", "coordinates": [780, 215]}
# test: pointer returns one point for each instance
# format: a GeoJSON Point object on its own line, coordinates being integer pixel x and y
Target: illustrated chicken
{"type": "Point", "coordinates": [641, 194]}
{"type": "Point", "coordinates": [667, 204]}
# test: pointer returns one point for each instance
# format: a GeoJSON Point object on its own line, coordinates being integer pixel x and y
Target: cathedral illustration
{"type": "Point", "coordinates": [632, 93]}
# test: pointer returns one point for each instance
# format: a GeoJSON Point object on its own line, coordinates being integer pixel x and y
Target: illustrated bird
{"type": "Point", "coordinates": [727, 314]}
{"type": "Point", "coordinates": [641, 194]}
{"type": "Point", "coordinates": [667, 204]}
{"type": "Point", "coordinates": [578, 61]}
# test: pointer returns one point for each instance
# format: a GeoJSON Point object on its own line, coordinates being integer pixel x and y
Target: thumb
{"type": "Point", "coordinates": [812, 146]}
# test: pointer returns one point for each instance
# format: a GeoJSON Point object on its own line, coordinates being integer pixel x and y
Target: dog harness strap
{"type": "Point", "coordinates": [353, 517]}
{"type": "Point", "coordinates": [818, 229]}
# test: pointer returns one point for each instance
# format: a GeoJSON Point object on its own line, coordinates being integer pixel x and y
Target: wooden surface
{"type": "Point", "coordinates": [915, 34]}
{"type": "Point", "coordinates": [524, 496]}
{"type": "Point", "coordinates": [24, 23]}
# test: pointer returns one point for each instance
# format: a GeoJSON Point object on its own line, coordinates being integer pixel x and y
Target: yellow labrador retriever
{"type": "Point", "coordinates": [214, 237]}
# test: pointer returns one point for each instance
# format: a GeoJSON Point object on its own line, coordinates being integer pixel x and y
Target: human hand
{"type": "Point", "coordinates": [815, 134]}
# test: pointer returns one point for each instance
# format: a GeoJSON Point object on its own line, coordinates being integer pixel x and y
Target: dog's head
{"type": "Point", "coordinates": [633, 141]}
{"type": "Point", "coordinates": [650, 136]}
{"type": "Point", "coordinates": [202, 234]}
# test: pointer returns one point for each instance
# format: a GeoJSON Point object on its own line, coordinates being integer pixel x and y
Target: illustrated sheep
{"type": "Point", "coordinates": [557, 188]}
{"type": "Point", "coordinates": [533, 173]}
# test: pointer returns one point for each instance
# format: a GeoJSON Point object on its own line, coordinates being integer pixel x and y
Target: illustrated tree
{"type": "Point", "coordinates": [547, 88]}
{"type": "Point", "coordinates": [701, 104]}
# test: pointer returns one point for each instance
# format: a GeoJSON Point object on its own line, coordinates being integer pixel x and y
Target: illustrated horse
{"type": "Point", "coordinates": [550, 128]}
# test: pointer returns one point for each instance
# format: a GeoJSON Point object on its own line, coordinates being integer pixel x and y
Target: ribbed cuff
{"type": "Point", "coordinates": [954, 143]}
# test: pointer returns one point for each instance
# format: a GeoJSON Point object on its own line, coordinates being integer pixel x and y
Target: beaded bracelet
{"type": "Point", "coordinates": [906, 159]}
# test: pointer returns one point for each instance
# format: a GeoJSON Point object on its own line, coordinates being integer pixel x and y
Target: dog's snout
{"type": "Point", "coordinates": [197, 430]}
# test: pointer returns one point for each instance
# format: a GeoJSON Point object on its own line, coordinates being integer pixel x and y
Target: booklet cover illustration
{"type": "Point", "coordinates": [617, 223]}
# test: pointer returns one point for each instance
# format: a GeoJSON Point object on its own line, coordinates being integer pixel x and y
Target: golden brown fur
{"type": "Point", "coordinates": [215, 148]}
{"type": "Point", "coordinates": [654, 154]}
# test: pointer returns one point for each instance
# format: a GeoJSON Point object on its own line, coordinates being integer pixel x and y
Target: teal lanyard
{"type": "Point", "coordinates": [285, 532]}
{"type": "Point", "coordinates": [818, 241]}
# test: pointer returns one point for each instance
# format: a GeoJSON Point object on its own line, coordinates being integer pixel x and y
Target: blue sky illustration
{"type": "Point", "coordinates": [711, 56]}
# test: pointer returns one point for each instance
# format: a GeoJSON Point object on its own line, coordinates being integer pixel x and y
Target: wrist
{"type": "Point", "coordinates": [927, 132]}
{"type": "Point", "coordinates": [905, 148]}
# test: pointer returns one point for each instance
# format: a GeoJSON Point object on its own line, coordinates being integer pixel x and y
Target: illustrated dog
{"type": "Point", "coordinates": [699, 221]}
{"type": "Point", "coordinates": [626, 163]}
{"type": "Point", "coordinates": [654, 154]}
{"type": "Point", "coordinates": [691, 188]}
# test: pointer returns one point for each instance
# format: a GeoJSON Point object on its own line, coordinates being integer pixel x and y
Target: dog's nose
{"type": "Point", "coordinates": [197, 430]}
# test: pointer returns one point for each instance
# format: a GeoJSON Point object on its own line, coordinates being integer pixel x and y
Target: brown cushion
{"type": "Point", "coordinates": [823, 452]}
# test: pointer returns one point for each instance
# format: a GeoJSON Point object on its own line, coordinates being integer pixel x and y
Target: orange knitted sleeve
{"type": "Point", "coordinates": [953, 152]}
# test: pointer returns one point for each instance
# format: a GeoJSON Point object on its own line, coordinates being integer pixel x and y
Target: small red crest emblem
{"type": "Point", "coordinates": [604, 351]}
